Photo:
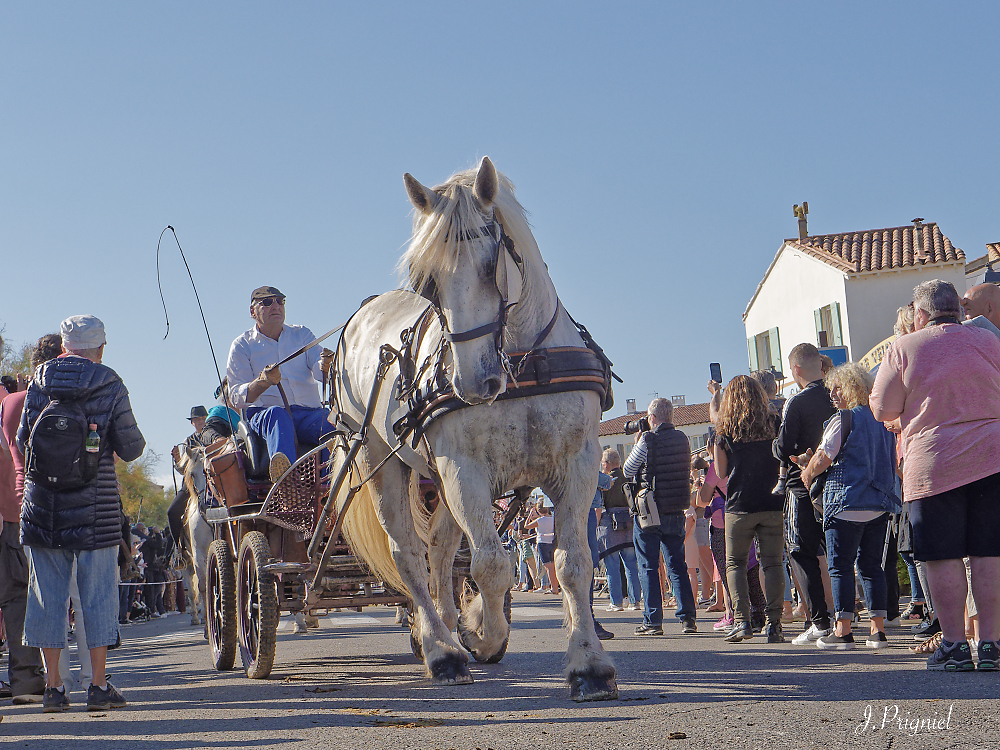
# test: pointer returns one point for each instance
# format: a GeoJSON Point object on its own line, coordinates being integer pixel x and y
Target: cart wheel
{"type": "Point", "coordinates": [220, 612]}
{"type": "Point", "coordinates": [257, 607]}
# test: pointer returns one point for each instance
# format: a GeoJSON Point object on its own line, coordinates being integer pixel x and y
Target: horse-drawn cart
{"type": "Point", "coordinates": [259, 566]}
{"type": "Point", "coordinates": [282, 551]}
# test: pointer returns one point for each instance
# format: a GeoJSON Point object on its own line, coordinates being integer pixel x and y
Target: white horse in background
{"type": "Point", "coordinates": [197, 530]}
{"type": "Point", "coordinates": [476, 453]}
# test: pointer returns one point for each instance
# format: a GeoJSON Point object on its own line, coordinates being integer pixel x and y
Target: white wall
{"type": "Point", "coordinates": [873, 298]}
{"type": "Point", "coordinates": [797, 285]}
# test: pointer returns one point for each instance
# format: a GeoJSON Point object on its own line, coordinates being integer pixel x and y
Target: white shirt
{"type": "Point", "coordinates": [253, 351]}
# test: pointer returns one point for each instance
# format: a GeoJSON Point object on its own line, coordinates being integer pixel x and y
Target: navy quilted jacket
{"type": "Point", "coordinates": [88, 518]}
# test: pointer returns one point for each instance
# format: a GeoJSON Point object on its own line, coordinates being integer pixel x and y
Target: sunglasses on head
{"type": "Point", "coordinates": [271, 300]}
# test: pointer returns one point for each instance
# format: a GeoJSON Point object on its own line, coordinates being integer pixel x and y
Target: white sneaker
{"type": "Point", "coordinates": [614, 608]}
{"type": "Point", "coordinates": [810, 636]}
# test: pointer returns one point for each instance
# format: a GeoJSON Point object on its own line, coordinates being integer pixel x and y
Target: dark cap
{"type": "Point", "coordinates": [264, 292]}
{"type": "Point", "coordinates": [198, 411]}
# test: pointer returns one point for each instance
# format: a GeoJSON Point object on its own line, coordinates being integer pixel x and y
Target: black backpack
{"type": "Point", "coordinates": [57, 457]}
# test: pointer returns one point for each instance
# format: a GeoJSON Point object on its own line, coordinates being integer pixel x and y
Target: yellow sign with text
{"type": "Point", "coordinates": [874, 358]}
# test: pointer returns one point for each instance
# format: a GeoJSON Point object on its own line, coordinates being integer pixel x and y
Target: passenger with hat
{"type": "Point", "coordinates": [175, 513]}
{"type": "Point", "coordinates": [258, 386]}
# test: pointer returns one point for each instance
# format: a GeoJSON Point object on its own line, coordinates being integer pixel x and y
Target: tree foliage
{"type": "Point", "coordinates": [143, 499]}
{"type": "Point", "coordinates": [15, 359]}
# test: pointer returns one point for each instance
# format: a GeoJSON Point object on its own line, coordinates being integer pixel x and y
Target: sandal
{"type": "Point", "coordinates": [929, 646]}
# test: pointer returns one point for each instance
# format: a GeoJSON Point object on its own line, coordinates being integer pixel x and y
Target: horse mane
{"type": "Point", "coordinates": [436, 241]}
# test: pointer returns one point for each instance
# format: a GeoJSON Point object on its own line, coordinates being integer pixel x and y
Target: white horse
{"type": "Point", "coordinates": [476, 453]}
{"type": "Point", "coordinates": [197, 530]}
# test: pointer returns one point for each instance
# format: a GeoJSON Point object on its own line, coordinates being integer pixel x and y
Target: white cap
{"type": "Point", "coordinates": [82, 332]}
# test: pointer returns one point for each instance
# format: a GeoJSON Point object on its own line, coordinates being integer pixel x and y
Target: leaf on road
{"type": "Point", "coordinates": [322, 690]}
{"type": "Point", "coordinates": [408, 723]}
{"type": "Point", "coordinates": [677, 736]}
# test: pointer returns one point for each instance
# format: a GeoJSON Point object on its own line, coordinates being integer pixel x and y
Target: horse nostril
{"type": "Point", "coordinates": [491, 388]}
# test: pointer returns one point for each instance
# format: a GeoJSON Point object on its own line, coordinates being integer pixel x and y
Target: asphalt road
{"type": "Point", "coordinates": [354, 684]}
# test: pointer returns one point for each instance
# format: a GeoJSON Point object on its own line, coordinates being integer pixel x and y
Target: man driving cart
{"type": "Point", "coordinates": [262, 390]}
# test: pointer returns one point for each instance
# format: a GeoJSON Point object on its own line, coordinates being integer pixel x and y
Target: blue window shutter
{"type": "Point", "coordinates": [752, 350]}
{"type": "Point", "coordinates": [776, 361]}
{"type": "Point", "coordinates": [818, 315]}
{"type": "Point", "coordinates": [838, 338]}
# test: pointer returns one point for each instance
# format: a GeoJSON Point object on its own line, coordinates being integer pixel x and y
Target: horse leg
{"type": "Point", "coordinates": [445, 539]}
{"type": "Point", "coordinates": [483, 626]}
{"type": "Point", "coordinates": [589, 670]}
{"type": "Point", "coordinates": [446, 662]}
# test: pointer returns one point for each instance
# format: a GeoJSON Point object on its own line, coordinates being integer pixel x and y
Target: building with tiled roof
{"type": "Point", "coordinates": [841, 291]}
{"type": "Point", "coordinates": [691, 419]}
{"type": "Point", "coordinates": [984, 268]}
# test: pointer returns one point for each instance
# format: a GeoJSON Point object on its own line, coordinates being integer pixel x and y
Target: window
{"type": "Point", "coordinates": [764, 350]}
{"type": "Point", "coordinates": [698, 442]}
{"type": "Point", "coordinates": [828, 332]}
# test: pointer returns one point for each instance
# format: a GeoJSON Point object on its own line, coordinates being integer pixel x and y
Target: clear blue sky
{"type": "Point", "coordinates": [658, 148]}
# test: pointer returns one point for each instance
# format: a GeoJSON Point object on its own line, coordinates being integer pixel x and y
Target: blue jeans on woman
{"type": "Point", "coordinates": [613, 564]}
{"type": "Point", "coordinates": [847, 541]}
{"type": "Point", "coordinates": [916, 592]}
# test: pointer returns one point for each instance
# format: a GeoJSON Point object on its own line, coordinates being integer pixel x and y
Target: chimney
{"type": "Point", "coordinates": [918, 240]}
{"type": "Point", "coordinates": [630, 405]}
{"type": "Point", "coordinates": [678, 401]}
{"type": "Point", "coordinates": [800, 213]}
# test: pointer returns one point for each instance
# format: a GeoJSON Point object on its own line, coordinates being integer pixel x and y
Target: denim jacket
{"type": "Point", "coordinates": [863, 476]}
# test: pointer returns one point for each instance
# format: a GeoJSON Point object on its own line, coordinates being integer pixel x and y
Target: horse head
{"type": "Point", "coordinates": [192, 466]}
{"type": "Point", "coordinates": [456, 257]}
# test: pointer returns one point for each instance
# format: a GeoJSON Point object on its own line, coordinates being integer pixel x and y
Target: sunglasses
{"type": "Point", "coordinates": [271, 300]}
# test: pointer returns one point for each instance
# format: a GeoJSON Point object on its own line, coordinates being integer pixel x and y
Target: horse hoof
{"type": "Point", "coordinates": [585, 688]}
{"type": "Point", "coordinates": [450, 670]}
{"type": "Point", "coordinates": [477, 654]}
{"type": "Point", "coordinates": [298, 628]}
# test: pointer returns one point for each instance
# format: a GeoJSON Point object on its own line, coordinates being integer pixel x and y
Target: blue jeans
{"type": "Point", "coordinates": [669, 536]}
{"type": "Point", "coordinates": [595, 553]}
{"type": "Point", "coordinates": [916, 592]}
{"type": "Point", "coordinates": [276, 426]}
{"type": "Point", "coordinates": [848, 541]}
{"type": "Point", "coordinates": [611, 562]}
{"type": "Point", "coordinates": [46, 620]}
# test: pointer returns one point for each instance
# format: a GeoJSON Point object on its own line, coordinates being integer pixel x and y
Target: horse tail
{"type": "Point", "coordinates": [365, 535]}
{"type": "Point", "coordinates": [419, 511]}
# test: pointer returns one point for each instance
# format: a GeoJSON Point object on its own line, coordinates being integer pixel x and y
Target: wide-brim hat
{"type": "Point", "coordinates": [198, 411]}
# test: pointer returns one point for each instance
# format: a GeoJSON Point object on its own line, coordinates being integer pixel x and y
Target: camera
{"type": "Point", "coordinates": [637, 425]}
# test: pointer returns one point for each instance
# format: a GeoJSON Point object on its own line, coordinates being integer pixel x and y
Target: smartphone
{"type": "Point", "coordinates": [716, 371]}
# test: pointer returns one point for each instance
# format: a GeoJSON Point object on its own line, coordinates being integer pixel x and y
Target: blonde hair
{"type": "Point", "coordinates": [854, 381]}
{"type": "Point", "coordinates": [744, 415]}
{"type": "Point", "coordinates": [904, 320]}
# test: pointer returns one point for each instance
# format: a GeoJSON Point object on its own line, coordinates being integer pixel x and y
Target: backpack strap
{"type": "Point", "coordinates": [846, 423]}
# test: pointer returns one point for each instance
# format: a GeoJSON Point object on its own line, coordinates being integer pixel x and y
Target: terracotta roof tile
{"type": "Point", "coordinates": [683, 416]}
{"type": "Point", "coordinates": [882, 249]}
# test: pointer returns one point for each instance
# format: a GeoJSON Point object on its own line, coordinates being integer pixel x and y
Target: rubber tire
{"type": "Point", "coordinates": [220, 605]}
{"type": "Point", "coordinates": [256, 607]}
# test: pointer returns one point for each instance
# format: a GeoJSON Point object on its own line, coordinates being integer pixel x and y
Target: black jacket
{"type": "Point", "coordinates": [668, 460]}
{"type": "Point", "coordinates": [88, 518]}
{"type": "Point", "coordinates": [802, 429]}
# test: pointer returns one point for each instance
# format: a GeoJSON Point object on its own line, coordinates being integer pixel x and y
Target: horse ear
{"type": "Point", "coordinates": [487, 184]}
{"type": "Point", "coordinates": [424, 199]}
